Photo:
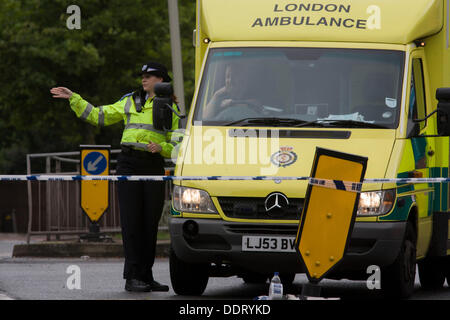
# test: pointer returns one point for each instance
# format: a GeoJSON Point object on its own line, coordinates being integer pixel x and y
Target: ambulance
{"type": "Point", "coordinates": [277, 79]}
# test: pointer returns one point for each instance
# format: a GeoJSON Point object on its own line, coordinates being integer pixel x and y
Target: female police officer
{"type": "Point", "coordinates": [143, 148]}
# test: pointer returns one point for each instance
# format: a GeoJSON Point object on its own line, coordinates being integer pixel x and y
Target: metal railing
{"type": "Point", "coordinates": [54, 206]}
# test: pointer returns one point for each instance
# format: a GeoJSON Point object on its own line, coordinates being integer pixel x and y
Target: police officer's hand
{"type": "Point", "coordinates": [154, 147]}
{"type": "Point", "coordinates": [61, 92]}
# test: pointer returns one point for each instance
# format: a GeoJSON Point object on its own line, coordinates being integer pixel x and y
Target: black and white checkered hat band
{"type": "Point", "coordinates": [145, 68]}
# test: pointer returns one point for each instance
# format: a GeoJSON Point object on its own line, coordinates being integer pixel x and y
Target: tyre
{"type": "Point", "coordinates": [287, 278]}
{"type": "Point", "coordinates": [187, 278]}
{"type": "Point", "coordinates": [255, 278]}
{"type": "Point", "coordinates": [432, 273]}
{"type": "Point", "coordinates": [397, 280]}
{"type": "Point", "coordinates": [447, 269]}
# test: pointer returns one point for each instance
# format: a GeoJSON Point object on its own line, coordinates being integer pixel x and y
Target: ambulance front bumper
{"type": "Point", "coordinates": [219, 241]}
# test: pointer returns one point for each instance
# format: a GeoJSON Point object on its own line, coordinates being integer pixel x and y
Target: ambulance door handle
{"type": "Point", "coordinates": [430, 153]}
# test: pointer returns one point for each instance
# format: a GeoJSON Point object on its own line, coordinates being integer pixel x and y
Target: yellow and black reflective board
{"type": "Point", "coordinates": [328, 214]}
{"type": "Point", "coordinates": [94, 194]}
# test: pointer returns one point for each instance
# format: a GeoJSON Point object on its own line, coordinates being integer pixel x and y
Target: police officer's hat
{"type": "Point", "coordinates": [156, 69]}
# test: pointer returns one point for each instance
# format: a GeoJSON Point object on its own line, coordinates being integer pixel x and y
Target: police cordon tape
{"type": "Point", "coordinates": [326, 183]}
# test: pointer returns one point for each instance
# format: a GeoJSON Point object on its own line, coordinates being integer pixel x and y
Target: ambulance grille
{"type": "Point", "coordinates": [288, 230]}
{"type": "Point", "coordinates": [254, 208]}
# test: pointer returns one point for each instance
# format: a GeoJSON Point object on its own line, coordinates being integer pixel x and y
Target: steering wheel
{"type": "Point", "coordinates": [236, 112]}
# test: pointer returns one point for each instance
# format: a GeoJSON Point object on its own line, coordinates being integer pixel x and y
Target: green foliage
{"type": "Point", "coordinates": [100, 62]}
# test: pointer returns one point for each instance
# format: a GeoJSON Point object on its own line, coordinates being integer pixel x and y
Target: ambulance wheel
{"type": "Point", "coordinates": [187, 278]}
{"type": "Point", "coordinates": [431, 273]}
{"type": "Point", "coordinates": [447, 269]}
{"type": "Point", "coordinates": [254, 278]}
{"type": "Point", "coordinates": [287, 278]}
{"type": "Point", "coordinates": [397, 280]}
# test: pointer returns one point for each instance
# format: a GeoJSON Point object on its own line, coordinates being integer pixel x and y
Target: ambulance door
{"type": "Point", "coordinates": [423, 147]}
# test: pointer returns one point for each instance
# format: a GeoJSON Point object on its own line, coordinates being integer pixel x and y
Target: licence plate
{"type": "Point", "coordinates": [268, 243]}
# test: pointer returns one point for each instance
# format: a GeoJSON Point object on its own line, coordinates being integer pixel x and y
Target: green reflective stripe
{"type": "Point", "coordinates": [101, 117]}
{"type": "Point", "coordinates": [137, 145]}
{"type": "Point", "coordinates": [87, 111]}
{"type": "Point", "coordinates": [144, 126]}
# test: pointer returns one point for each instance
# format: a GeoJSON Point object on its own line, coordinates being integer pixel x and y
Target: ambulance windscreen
{"type": "Point", "coordinates": [314, 85]}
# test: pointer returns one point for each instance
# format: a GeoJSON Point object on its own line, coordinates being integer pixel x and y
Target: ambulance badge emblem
{"type": "Point", "coordinates": [285, 157]}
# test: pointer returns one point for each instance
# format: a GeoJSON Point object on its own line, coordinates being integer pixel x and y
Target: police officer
{"type": "Point", "coordinates": [143, 148]}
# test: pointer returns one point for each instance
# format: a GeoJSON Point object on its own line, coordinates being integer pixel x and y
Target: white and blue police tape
{"type": "Point", "coordinates": [327, 183]}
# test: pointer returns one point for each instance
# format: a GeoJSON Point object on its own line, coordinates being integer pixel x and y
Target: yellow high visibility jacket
{"type": "Point", "coordinates": [138, 131]}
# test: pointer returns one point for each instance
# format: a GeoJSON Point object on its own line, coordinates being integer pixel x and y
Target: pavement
{"type": "Point", "coordinates": [14, 245]}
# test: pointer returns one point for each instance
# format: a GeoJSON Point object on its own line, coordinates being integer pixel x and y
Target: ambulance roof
{"type": "Point", "coordinates": [384, 21]}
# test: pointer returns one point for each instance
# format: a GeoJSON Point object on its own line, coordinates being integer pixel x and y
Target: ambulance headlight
{"type": "Point", "coordinates": [192, 200]}
{"type": "Point", "coordinates": [376, 203]}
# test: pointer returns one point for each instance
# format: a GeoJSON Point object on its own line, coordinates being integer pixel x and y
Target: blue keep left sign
{"type": "Point", "coordinates": [95, 163]}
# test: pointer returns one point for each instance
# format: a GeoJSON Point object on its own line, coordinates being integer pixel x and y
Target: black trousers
{"type": "Point", "coordinates": [141, 204]}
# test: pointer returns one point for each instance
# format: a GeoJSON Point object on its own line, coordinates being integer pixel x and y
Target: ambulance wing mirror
{"type": "Point", "coordinates": [162, 106]}
{"type": "Point", "coordinates": [443, 111]}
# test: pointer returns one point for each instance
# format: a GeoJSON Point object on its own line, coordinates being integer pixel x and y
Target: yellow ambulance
{"type": "Point", "coordinates": [275, 79]}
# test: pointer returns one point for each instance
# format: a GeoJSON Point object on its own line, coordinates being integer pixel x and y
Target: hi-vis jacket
{"type": "Point", "coordinates": [138, 131]}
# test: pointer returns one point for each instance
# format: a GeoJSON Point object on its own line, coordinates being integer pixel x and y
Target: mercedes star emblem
{"type": "Point", "coordinates": [276, 200]}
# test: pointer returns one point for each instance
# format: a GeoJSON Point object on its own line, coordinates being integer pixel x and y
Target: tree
{"type": "Point", "coordinates": [100, 61]}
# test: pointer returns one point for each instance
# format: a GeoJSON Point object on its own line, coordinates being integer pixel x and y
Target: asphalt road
{"type": "Point", "coordinates": [101, 279]}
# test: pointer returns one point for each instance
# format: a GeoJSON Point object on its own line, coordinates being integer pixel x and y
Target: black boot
{"type": "Point", "coordinates": [156, 286]}
{"type": "Point", "coordinates": [135, 285]}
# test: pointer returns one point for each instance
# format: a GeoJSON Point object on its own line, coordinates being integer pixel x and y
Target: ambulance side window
{"type": "Point", "coordinates": [417, 102]}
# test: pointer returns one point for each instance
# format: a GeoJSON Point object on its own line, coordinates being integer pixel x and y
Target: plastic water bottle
{"type": "Point", "coordinates": [275, 288]}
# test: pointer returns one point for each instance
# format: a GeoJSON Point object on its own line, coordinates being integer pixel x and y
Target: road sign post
{"type": "Point", "coordinates": [328, 215]}
{"type": "Point", "coordinates": [94, 198]}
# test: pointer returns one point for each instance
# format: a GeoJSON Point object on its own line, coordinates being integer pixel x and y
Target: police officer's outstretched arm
{"type": "Point", "coordinates": [101, 116]}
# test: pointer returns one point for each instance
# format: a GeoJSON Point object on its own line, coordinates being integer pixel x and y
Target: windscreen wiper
{"type": "Point", "coordinates": [353, 124]}
{"type": "Point", "coordinates": [274, 121]}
